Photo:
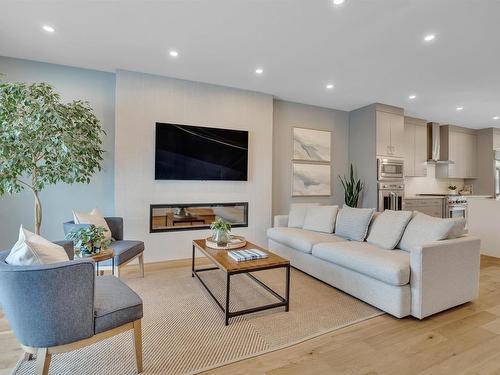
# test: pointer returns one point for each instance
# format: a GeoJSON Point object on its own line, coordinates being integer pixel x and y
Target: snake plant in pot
{"type": "Point", "coordinates": [352, 188]}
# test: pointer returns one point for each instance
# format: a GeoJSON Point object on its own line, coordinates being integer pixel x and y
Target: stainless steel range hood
{"type": "Point", "coordinates": [434, 141]}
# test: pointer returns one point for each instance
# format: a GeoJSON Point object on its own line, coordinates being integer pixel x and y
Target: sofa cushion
{"type": "Point", "coordinates": [300, 239]}
{"type": "Point", "coordinates": [388, 228]}
{"type": "Point", "coordinates": [389, 266]}
{"type": "Point", "coordinates": [115, 304]}
{"type": "Point", "coordinates": [297, 214]}
{"type": "Point", "coordinates": [320, 218]}
{"type": "Point", "coordinates": [423, 229]}
{"type": "Point", "coordinates": [353, 223]}
{"type": "Point", "coordinates": [458, 230]}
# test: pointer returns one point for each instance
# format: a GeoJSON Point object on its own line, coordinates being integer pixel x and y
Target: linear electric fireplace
{"type": "Point", "coordinates": [192, 216]}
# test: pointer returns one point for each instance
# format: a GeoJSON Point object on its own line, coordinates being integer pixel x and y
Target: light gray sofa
{"type": "Point", "coordinates": [430, 279]}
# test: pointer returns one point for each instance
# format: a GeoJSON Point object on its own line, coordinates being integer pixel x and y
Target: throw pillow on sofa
{"type": "Point", "coordinates": [31, 249]}
{"type": "Point", "coordinates": [94, 218]}
{"type": "Point", "coordinates": [352, 223]}
{"type": "Point", "coordinates": [297, 214]}
{"type": "Point", "coordinates": [388, 228]}
{"type": "Point", "coordinates": [458, 230]}
{"type": "Point", "coordinates": [423, 229]}
{"type": "Point", "coordinates": [320, 218]}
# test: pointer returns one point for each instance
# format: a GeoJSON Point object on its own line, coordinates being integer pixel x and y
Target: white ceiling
{"type": "Point", "coordinates": [372, 50]}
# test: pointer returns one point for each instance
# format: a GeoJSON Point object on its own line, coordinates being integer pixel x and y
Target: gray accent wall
{"type": "Point", "coordinates": [59, 200]}
{"type": "Point", "coordinates": [362, 151]}
{"type": "Point", "coordinates": [286, 116]}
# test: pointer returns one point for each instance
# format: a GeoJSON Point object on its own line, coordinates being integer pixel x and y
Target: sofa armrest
{"type": "Point", "coordinates": [280, 221]}
{"type": "Point", "coordinates": [444, 274]}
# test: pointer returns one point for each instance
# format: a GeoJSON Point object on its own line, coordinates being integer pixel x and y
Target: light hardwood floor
{"type": "Point", "coordinates": [463, 340]}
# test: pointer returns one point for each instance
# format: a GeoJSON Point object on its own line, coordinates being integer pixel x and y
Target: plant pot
{"type": "Point", "coordinates": [221, 237]}
{"type": "Point", "coordinates": [83, 252]}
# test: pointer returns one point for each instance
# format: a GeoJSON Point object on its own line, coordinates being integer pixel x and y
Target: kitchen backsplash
{"type": "Point", "coordinates": [430, 184]}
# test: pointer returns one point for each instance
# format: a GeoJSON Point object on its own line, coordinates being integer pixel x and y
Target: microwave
{"type": "Point", "coordinates": [390, 169]}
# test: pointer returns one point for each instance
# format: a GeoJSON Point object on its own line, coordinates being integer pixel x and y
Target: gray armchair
{"type": "Point", "coordinates": [125, 250]}
{"type": "Point", "coordinates": [60, 307]}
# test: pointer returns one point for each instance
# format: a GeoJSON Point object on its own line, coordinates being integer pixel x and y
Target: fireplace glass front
{"type": "Point", "coordinates": [185, 216]}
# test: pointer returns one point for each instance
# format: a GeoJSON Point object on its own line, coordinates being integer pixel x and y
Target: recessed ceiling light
{"type": "Point", "coordinates": [329, 86]}
{"type": "Point", "coordinates": [460, 108]}
{"type": "Point", "coordinates": [259, 71]}
{"type": "Point", "coordinates": [173, 53]}
{"type": "Point", "coordinates": [48, 28]}
{"type": "Point", "coordinates": [496, 118]}
{"type": "Point", "coordinates": [411, 97]}
{"type": "Point", "coordinates": [429, 37]}
{"type": "Point", "coordinates": [338, 2]}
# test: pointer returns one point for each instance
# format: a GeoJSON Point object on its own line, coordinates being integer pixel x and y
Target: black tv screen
{"type": "Point", "coordinates": [199, 153]}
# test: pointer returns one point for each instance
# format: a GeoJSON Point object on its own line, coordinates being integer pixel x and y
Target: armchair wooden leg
{"type": "Point", "coordinates": [138, 344]}
{"type": "Point", "coordinates": [26, 356]}
{"type": "Point", "coordinates": [141, 264]}
{"type": "Point", "coordinates": [42, 361]}
{"type": "Point", "coordinates": [117, 271]}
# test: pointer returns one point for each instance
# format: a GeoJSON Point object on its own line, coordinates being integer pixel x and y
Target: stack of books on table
{"type": "Point", "coordinates": [248, 254]}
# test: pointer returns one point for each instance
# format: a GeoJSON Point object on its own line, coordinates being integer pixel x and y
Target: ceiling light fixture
{"type": "Point", "coordinates": [338, 2]}
{"type": "Point", "coordinates": [329, 86]}
{"type": "Point", "coordinates": [411, 97]}
{"type": "Point", "coordinates": [496, 118]}
{"type": "Point", "coordinates": [48, 28]}
{"type": "Point", "coordinates": [259, 71]}
{"type": "Point", "coordinates": [429, 37]}
{"type": "Point", "coordinates": [460, 108]}
{"type": "Point", "coordinates": [173, 53]}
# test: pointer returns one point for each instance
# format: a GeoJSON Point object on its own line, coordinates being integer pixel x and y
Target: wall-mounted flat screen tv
{"type": "Point", "coordinates": [200, 153]}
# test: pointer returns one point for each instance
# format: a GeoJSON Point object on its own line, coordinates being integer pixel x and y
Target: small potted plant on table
{"type": "Point", "coordinates": [88, 241]}
{"type": "Point", "coordinates": [220, 231]}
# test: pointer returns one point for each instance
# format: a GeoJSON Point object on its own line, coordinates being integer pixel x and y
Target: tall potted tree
{"type": "Point", "coordinates": [44, 141]}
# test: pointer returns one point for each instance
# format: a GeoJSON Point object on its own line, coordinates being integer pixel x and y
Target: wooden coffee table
{"type": "Point", "coordinates": [230, 267]}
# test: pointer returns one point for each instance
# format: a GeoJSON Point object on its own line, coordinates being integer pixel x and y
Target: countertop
{"type": "Point", "coordinates": [479, 196]}
{"type": "Point", "coordinates": [473, 196]}
{"type": "Point", "coordinates": [425, 196]}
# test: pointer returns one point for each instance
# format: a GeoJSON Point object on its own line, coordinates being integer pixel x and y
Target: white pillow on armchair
{"type": "Point", "coordinates": [95, 218]}
{"type": "Point", "coordinates": [31, 249]}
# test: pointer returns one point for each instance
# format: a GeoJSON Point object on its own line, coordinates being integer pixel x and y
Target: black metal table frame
{"type": "Point", "coordinates": [284, 301]}
{"type": "Point", "coordinates": [112, 266]}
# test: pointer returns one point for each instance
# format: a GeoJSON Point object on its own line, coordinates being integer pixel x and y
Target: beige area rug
{"type": "Point", "coordinates": [184, 331]}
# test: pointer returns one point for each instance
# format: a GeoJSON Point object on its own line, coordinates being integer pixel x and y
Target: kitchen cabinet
{"type": "Point", "coordinates": [390, 134]}
{"type": "Point", "coordinates": [415, 150]}
{"type": "Point", "coordinates": [429, 206]}
{"type": "Point", "coordinates": [458, 145]}
{"type": "Point", "coordinates": [375, 131]}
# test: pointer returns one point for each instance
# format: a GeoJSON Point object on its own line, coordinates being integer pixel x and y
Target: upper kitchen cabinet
{"type": "Point", "coordinates": [415, 149]}
{"type": "Point", "coordinates": [459, 146]}
{"type": "Point", "coordinates": [374, 130]}
{"type": "Point", "coordinates": [390, 131]}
